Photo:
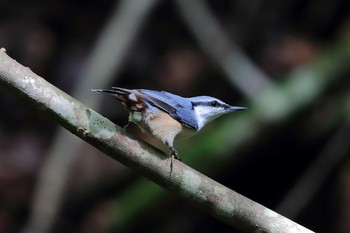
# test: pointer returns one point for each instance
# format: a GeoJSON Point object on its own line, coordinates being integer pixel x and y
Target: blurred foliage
{"type": "Point", "coordinates": [260, 153]}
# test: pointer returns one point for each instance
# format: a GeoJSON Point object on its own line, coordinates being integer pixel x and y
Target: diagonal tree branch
{"type": "Point", "coordinates": [193, 186]}
{"type": "Point", "coordinates": [104, 62]}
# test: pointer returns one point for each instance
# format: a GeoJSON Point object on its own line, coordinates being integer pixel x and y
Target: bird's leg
{"type": "Point", "coordinates": [173, 152]}
{"type": "Point", "coordinates": [127, 125]}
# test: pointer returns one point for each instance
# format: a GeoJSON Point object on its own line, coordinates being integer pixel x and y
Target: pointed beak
{"type": "Point", "coordinates": [235, 108]}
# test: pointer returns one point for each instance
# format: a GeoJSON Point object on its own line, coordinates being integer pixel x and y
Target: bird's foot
{"type": "Point", "coordinates": [127, 126]}
{"type": "Point", "coordinates": [175, 153]}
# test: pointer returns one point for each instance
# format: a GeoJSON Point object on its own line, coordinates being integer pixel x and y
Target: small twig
{"type": "Point", "coordinates": [214, 198]}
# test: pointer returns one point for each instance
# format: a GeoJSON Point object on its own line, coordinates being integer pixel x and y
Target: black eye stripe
{"type": "Point", "coordinates": [209, 104]}
{"type": "Point", "coordinates": [214, 103]}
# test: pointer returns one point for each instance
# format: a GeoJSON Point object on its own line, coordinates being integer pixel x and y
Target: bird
{"type": "Point", "coordinates": [167, 116]}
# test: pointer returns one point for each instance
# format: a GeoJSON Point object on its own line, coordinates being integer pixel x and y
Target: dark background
{"type": "Point", "coordinates": [58, 39]}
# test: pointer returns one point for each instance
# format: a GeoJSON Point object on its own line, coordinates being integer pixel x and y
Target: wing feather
{"type": "Point", "coordinates": [166, 102]}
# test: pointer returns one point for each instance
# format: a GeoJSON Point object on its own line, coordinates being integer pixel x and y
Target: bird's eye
{"type": "Point", "coordinates": [214, 103]}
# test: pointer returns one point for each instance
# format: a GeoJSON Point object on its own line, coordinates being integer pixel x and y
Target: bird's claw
{"type": "Point", "coordinates": [175, 153]}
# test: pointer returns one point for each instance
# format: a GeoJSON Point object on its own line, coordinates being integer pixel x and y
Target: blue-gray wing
{"type": "Point", "coordinates": [176, 106]}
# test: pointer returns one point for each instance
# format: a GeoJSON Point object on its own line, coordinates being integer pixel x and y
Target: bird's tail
{"type": "Point", "coordinates": [126, 96]}
{"type": "Point", "coordinates": [131, 99]}
{"type": "Point", "coordinates": [114, 91]}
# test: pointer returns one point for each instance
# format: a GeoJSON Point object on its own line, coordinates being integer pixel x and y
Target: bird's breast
{"type": "Point", "coordinates": [160, 125]}
{"type": "Point", "coordinates": [163, 126]}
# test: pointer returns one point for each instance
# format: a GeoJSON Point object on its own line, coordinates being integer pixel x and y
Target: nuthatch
{"type": "Point", "coordinates": [165, 115]}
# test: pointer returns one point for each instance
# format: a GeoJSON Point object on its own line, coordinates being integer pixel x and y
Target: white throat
{"type": "Point", "coordinates": [205, 114]}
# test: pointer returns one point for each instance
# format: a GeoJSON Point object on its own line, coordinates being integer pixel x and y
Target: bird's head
{"type": "Point", "coordinates": [208, 108]}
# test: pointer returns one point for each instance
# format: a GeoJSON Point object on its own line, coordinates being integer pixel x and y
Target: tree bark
{"type": "Point", "coordinates": [209, 195]}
